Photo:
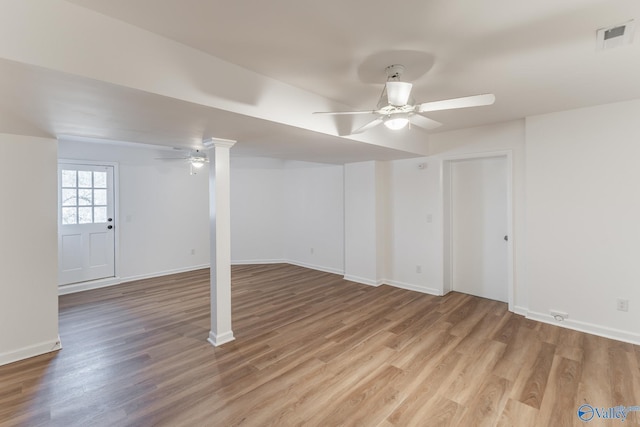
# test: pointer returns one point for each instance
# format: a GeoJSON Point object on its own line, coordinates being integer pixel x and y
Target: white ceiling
{"type": "Point", "coordinates": [536, 57]}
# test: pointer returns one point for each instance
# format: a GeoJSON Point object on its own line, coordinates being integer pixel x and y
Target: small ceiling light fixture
{"type": "Point", "coordinates": [197, 160]}
{"type": "Point", "coordinates": [197, 163]}
{"type": "Point", "coordinates": [396, 121]}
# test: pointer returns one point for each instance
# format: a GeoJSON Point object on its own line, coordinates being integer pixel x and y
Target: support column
{"type": "Point", "coordinates": [220, 238]}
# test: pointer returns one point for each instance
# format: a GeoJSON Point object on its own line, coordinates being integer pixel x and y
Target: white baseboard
{"type": "Point", "coordinates": [522, 311]}
{"type": "Point", "coordinates": [112, 281]}
{"type": "Point", "coordinates": [164, 273]}
{"type": "Point", "coordinates": [31, 351]}
{"type": "Point", "coordinates": [363, 280]}
{"type": "Point", "coordinates": [410, 287]}
{"type": "Point", "coordinates": [315, 267]}
{"type": "Point", "coordinates": [217, 340]}
{"type": "Point", "coordinates": [85, 286]}
{"type": "Point", "coordinates": [258, 261]}
{"type": "Point", "coordinates": [590, 328]}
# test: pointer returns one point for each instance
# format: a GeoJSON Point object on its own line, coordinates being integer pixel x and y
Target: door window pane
{"type": "Point", "coordinates": [100, 197]}
{"type": "Point", "coordinates": [85, 215]}
{"type": "Point", "coordinates": [99, 180]}
{"type": "Point", "coordinates": [84, 179]}
{"type": "Point", "coordinates": [68, 178]}
{"type": "Point", "coordinates": [85, 197]}
{"type": "Point", "coordinates": [69, 197]}
{"type": "Point", "coordinates": [69, 216]}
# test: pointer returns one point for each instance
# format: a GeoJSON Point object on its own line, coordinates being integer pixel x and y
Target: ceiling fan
{"type": "Point", "coordinates": [396, 109]}
{"type": "Point", "coordinates": [196, 158]}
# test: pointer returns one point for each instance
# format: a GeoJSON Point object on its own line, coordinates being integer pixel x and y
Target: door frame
{"type": "Point", "coordinates": [445, 180]}
{"type": "Point", "coordinates": [93, 284]}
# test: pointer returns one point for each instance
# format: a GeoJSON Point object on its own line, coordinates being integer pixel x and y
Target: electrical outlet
{"type": "Point", "coordinates": [622, 304]}
{"type": "Point", "coordinates": [193, 251]}
{"type": "Point", "coordinates": [312, 251]}
{"type": "Point", "coordinates": [418, 269]}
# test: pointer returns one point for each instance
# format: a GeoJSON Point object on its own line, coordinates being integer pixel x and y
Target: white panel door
{"type": "Point", "coordinates": [479, 224]}
{"type": "Point", "coordinates": [86, 233]}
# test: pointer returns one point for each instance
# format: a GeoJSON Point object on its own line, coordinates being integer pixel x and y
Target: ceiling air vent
{"type": "Point", "coordinates": [607, 38]}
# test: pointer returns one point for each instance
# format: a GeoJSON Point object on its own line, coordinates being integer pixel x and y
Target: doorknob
{"type": "Point", "coordinates": [109, 227]}
{"type": "Point", "coordinates": [506, 238]}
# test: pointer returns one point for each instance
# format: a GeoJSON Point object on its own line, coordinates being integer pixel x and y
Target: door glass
{"type": "Point", "coordinates": [84, 197]}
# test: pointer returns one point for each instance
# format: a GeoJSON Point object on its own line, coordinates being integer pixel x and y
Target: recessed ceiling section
{"type": "Point", "coordinates": [47, 103]}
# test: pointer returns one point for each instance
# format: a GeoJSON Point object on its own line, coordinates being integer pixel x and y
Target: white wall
{"type": "Point", "coordinates": [361, 228]}
{"type": "Point", "coordinates": [163, 212]}
{"type": "Point", "coordinates": [416, 225]}
{"type": "Point", "coordinates": [28, 252]}
{"type": "Point", "coordinates": [583, 207]}
{"type": "Point", "coordinates": [287, 211]}
{"type": "Point", "coordinates": [314, 215]}
{"type": "Point", "coordinates": [257, 210]}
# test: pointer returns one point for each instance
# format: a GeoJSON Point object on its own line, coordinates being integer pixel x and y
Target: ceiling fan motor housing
{"type": "Point", "coordinates": [394, 72]}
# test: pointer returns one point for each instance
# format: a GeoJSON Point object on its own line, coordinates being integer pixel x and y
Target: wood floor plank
{"type": "Point", "coordinates": [488, 404]}
{"type": "Point", "coordinates": [475, 369]}
{"type": "Point", "coordinates": [409, 409]}
{"type": "Point", "coordinates": [558, 405]}
{"type": "Point", "coordinates": [531, 383]}
{"type": "Point", "coordinates": [310, 349]}
{"type": "Point", "coordinates": [517, 414]}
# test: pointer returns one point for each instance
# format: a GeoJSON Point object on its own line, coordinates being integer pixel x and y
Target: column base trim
{"type": "Point", "coordinates": [224, 338]}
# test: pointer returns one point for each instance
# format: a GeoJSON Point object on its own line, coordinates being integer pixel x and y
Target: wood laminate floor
{"type": "Point", "coordinates": [312, 350]}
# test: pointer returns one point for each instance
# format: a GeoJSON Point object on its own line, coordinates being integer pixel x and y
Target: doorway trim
{"type": "Point", "coordinates": [109, 281]}
{"type": "Point", "coordinates": [445, 180]}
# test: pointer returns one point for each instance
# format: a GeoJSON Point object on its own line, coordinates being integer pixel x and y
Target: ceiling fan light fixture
{"type": "Point", "coordinates": [396, 122]}
{"type": "Point", "coordinates": [197, 159]}
{"type": "Point", "coordinates": [198, 163]}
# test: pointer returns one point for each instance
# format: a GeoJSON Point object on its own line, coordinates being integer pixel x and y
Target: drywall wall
{"type": "Point", "coordinates": [415, 225]}
{"type": "Point", "coordinates": [162, 217]}
{"type": "Point", "coordinates": [582, 215]}
{"type": "Point", "coordinates": [257, 210]}
{"type": "Point", "coordinates": [314, 215]}
{"type": "Point", "coordinates": [28, 247]}
{"type": "Point", "coordinates": [361, 229]}
{"type": "Point", "coordinates": [383, 219]}
{"type": "Point", "coordinates": [367, 207]}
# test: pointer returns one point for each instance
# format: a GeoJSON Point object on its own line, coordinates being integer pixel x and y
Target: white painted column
{"type": "Point", "coordinates": [220, 237]}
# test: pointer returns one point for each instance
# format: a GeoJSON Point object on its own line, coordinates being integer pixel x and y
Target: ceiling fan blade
{"type": "Point", "coordinates": [172, 158]}
{"type": "Point", "coordinates": [464, 102]}
{"type": "Point", "coordinates": [336, 113]}
{"type": "Point", "coordinates": [424, 122]}
{"type": "Point", "coordinates": [368, 126]}
{"type": "Point", "coordinates": [398, 93]}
